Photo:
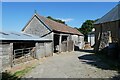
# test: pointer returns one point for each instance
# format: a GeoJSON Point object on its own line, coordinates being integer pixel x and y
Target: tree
{"type": "Point", "coordinates": [57, 20]}
{"type": "Point", "coordinates": [86, 27]}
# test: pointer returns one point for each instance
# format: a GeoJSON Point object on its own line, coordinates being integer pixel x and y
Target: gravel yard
{"type": "Point", "coordinates": [72, 65]}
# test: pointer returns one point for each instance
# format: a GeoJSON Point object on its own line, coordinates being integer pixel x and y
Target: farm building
{"type": "Point", "coordinates": [107, 31]}
{"type": "Point", "coordinates": [91, 38]}
{"type": "Point", "coordinates": [64, 37]}
{"type": "Point", "coordinates": [20, 47]}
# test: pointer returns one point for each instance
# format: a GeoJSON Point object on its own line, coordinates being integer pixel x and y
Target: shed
{"type": "Point", "coordinates": [107, 30]}
{"type": "Point", "coordinates": [64, 37]}
{"type": "Point", "coordinates": [91, 38]}
{"type": "Point", "coordinates": [20, 47]}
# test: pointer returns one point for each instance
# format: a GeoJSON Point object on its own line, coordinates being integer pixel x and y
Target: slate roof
{"type": "Point", "coordinates": [19, 36]}
{"type": "Point", "coordinates": [112, 15]}
{"type": "Point", "coordinates": [55, 26]}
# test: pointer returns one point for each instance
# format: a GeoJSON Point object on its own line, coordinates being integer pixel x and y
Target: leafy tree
{"type": "Point", "coordinates": [57, 20]}
{"type": "Point", "coordinates": [86, 27]}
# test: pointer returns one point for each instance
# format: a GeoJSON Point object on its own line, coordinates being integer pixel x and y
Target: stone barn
{"type": "Point", "coordinates": [107, 32]}
{"type": "Point", "coordinates": [64, 38]}
{"type": "Point", "coordinates": [17, 48]}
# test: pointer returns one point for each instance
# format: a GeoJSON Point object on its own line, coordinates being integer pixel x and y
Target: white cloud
{"type": "Point", "coordinates": [65, 19]}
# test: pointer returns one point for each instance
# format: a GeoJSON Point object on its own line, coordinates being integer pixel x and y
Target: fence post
{"type": "Point", "coordinates": [36, 48]}
{"type": "Point", "coordinates": [11, 54]}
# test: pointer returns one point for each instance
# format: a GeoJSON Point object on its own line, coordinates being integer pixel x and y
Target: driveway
{"type": "Point", "coordinates": [72, 65]}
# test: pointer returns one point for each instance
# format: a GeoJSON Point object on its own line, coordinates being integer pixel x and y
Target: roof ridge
{"type": "Point", "coordinates": [56, 26]}
{"type": "Point", "coordinates": [103, 18]}
{"type": "Point", "coordinates": [68, 29]}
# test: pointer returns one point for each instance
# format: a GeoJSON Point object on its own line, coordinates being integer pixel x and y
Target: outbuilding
{"type": "Point", "coordinates": [91, 38]}
{"type": "Point", "coordinates": [20, 47]}
{"type": "Point", "coordinates": [107, 32]}
{"type": "Point", "coordinates": [64, 38]}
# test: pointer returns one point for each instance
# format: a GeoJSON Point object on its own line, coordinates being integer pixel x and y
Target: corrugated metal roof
{"type": "Point", "coordinates": [20, 36]}
{"type": "Point", "coordinates": [112, 15]}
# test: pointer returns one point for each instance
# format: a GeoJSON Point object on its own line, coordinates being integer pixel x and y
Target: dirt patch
{"type": "Point", "coordinates": [24, 65]}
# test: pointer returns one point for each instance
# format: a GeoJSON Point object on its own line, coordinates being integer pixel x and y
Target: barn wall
{"type": "Point", "coordinates": [40, 50]}
{"type": "Point", "coordinates": [49, 36]}
{"type": "Point", "coordinates": [81, 42]}
{"type": "Point", "coordinates": [5, 55]}
{"type": "Point", "coordinates": [70, 45]}
{"type": "Point", "coordinates": [75, 39]}
{"type": "Point", "coordinates": [44, 49]}
{"type": "Point", "coordinates": [91, 39]}
{"type": "Point", "coordinates": [35, 27]}
{"type": "Point", "coordinates": [78, 41]}
{"type": "Point", "coordinates": [106, 33]}
{"type": "Point", "coordinates": [64, 46]}
{"type": "Point", "coordinates": [48, 49]}
{"type": "Point", "coordinates": [97, 37]}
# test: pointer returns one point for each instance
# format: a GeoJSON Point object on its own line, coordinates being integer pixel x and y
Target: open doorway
{"type": "Point", "coordinates": [56, 43]}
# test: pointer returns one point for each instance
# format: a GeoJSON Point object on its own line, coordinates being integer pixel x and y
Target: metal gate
{"type": "Point", "coordinates": [23, 55]}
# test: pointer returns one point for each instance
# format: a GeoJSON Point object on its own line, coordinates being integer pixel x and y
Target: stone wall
{"type": "Point", "coordinates": [48, 49]}
{"type": "Point", "coordinates": [44, 49]}
{"type": "Point", "coordinates": [64, 46]}
{"type": "Point", "coordinates": [70, 46]}
{"type": "Point", "coordinates": [5, 54]}
{"type": "Point", "coordinates": [106, 33]}
{"type": "Point", "coordinates": [104, 40]}
{"type": "Point", "coordinates": [35, 27]}
{"type": "Point", "coordinates": [78, 41]}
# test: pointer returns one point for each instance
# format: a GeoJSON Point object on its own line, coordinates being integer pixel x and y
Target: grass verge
{"type": "Point", "coordinates": [17, 75]}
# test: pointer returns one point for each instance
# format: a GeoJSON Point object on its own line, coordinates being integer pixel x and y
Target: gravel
{"type": "Point", "coordinates": [72, 65]}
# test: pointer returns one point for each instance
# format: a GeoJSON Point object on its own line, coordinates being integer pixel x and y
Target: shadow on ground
{"type": "Point", "coordinates": [8, 76]}
{"type": "Point", "coordinates": [93, 60]}
{"type": "Point", "coordinates": [88, 51]}
{"type": "Point", "coordinates": [101, 61]}
{"type": "Point", "coordinates": [117, 77]}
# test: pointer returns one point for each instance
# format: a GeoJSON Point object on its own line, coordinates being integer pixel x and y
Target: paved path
{"type": "Point", "coordinates": [72, 65]}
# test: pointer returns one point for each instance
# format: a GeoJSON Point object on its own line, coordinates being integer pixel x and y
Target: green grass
{"type": "Point", "coordinates": [22, 72]}
{"type": "Point", "coordinates": [17, 75]}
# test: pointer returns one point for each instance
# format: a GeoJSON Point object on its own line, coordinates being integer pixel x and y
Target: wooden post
{"type": "Point", "coordinates": [36, 48]}
{"type": "Point", "coordinates": [68, 39]}
{"type": "Point", "coordinates": [73, 46]}
{"type": "Point", "coordinates": [45, 50]}
{"type": "Point", "coordinates": [119, 38]}
{"type": "Point", "coordinates": [11, 54]}
{"type": "Point", "coordinates": [60, 39]}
